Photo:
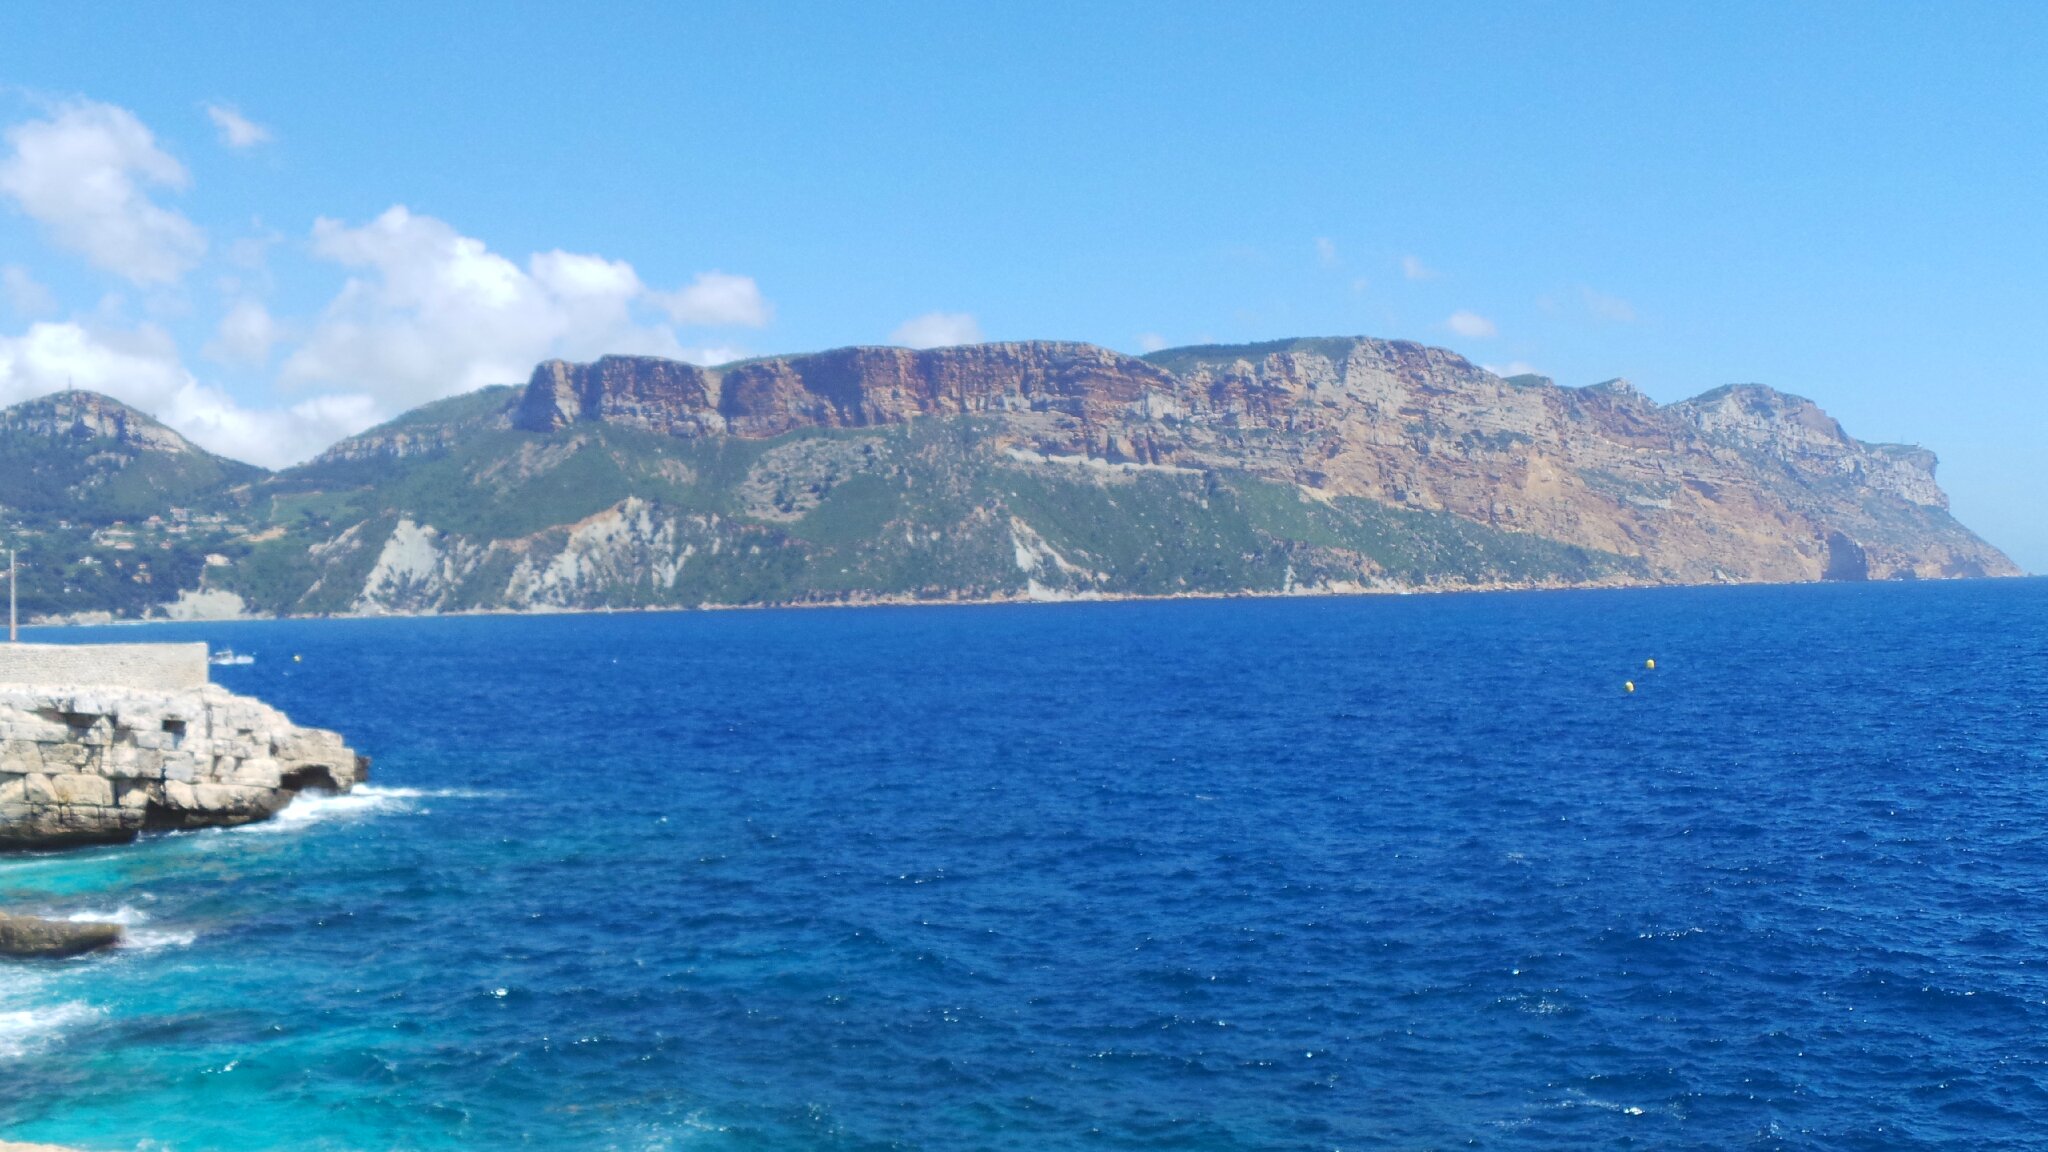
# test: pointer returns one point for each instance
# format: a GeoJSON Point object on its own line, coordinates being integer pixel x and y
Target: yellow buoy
{"type": "Point", "coordinates": [1630, 685]}
{"type": "Point", "coordinates": [1650, 664]}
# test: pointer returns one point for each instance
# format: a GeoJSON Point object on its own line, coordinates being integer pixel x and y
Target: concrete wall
{"type": "Point", "coordinates": [153, 667]}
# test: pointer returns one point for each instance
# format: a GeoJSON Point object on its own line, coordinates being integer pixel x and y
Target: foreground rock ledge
{"type": "Point", "coordinates": [53, 939]}
{"type": "Point", "coordinates": [99, 765]}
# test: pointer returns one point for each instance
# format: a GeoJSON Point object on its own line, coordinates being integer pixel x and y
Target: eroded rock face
{"type": "Point", "coordinates": [99, 765]}
{"type": "Point", "coordinates": [1743, 483]}
{"type": "Point", "coordinates": [90, 416]}
{"type": "Point", "coordinates": [843, 388]}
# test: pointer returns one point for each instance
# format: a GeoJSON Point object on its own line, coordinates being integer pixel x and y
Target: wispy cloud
{"type": "Point", "coordinates": [1413, 268]}
{"type": "Point", "coordinates": [717, 300]}
{"type": "Point", "coordinates": [1150, 342]}
{"type": "Point", "coordinates": [1472, 325]}
{"type": "Point", "coordinates": [236, 130]}
{"type": "Point", "coordinates": [1512, 368]}
{"type": "Point", "coordinates": [1326, 252]}
{"type": "Point", "coordinates": [937, 330]}
{"type": "Point", "coordinates": [23, 294]}
{"type": "Point", "coordinates": [1610, 308]}
{"type": "Point", "coordinates": [245, 336]}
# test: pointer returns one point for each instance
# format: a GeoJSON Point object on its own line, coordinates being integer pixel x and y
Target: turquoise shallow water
{"type": "Point", "coordinates": [1324, 874]}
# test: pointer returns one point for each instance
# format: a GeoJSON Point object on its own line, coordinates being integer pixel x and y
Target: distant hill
{"type": "Point", "coordinates": [1043, 470]}
{"type": "Point", "coordinates": [84, 457]}
{"type": "Point", "coordinates": [76, 469]}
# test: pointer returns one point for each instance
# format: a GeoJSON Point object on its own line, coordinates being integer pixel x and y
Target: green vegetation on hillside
{"type": "Point", "coordinates": [603, 515]}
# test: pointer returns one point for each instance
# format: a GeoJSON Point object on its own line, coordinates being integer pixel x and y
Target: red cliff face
{"type": "Point", "coordinates": [843, 388]}
{"type": "Point", "coordinates": [662, 395]}
{"type": "Point", "coordinates": [1742, 483]}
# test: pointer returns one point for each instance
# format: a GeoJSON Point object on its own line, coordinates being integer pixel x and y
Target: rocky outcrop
{"type": "Point", "coordinates": [101, 764]}
{"type": "Point", "coordinates": [79, 415]}
{"type": "Point", "coordinates": [35, 938]}
{"type": "Point", "coordinates": [429, 430]}
{"type": "Point", "coordinates": [843, 388]}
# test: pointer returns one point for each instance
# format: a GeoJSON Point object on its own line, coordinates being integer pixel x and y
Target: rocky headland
{"type": "Point", "coordinates": [1008, 471]}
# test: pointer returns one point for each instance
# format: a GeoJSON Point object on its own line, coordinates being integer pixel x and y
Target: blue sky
{"type": "Point", "coordinates": [276, 226]}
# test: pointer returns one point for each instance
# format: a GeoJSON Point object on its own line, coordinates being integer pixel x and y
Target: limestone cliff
{"type": "Point", "coordinates": [97, 763]}
{"type": "Point", "coordinates": [1742, 483]}
{"type": "Point", "coordinates": [993, 471]}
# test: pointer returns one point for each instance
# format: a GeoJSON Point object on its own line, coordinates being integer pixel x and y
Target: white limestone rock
{"type": "Point", "coordinates": [99, 766]}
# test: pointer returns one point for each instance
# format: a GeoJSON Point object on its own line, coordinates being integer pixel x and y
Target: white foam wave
{"type": "Point", "coordinates": [25, 1030]}
{"type": "Point", "coordinates": [26, 1026]}
{"type": "Point", "coordinates": [156, 940]}
{"type": "Point", "coordinates": [310, 808]}
{"type": "Point", "coordinates": [133, 936]}
{"type": "Point", "coordinates": [127, 916]}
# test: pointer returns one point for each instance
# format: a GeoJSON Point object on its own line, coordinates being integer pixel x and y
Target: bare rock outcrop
{"type": "Point", "coordinates": [34, 938]}
{"type": "Point", "coordinates": [89, 416]}
{"type": "Point", "coordinates": [1743, 483]}
{"type": "Point", "coordinates": [101, 764]}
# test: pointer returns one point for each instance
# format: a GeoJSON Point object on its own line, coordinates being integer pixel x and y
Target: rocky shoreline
{"type": "Point", "coordinates": [897, 600]}
{"type": "Point", "coordinates": [100, 743]}
{"type": "Point", "coordinates": [100, 765]}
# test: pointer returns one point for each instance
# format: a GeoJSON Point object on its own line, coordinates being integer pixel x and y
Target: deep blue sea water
{"type": "Point", "coordinates": [1370, 873]}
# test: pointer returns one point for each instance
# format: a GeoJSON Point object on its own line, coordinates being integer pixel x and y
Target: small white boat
{"type": "Point", "coordinates": [228, 656]}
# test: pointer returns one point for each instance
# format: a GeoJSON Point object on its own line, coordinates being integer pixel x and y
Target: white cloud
{"type": "Point", "coordinates": [937, 330]}
{"type": "Point", "coordinates": [1512, 368]}
{"type": "Point", "coordinates": [140, 366]}
{"type": "Point", "coordinates": [24, 296]}
{"type": "Point", "coordinates": [236, 130]}
{"type": "Point", "coordinates": [717, 299]}
{"type": "Point", "coordinates": [1414, 269]}
{"type": "Point", "coordinates": [271, 437]}
{"type": "Point", "coordinates": [1326, 252]}
{"type": "Point", "coordinates": [1610, 308]}
{"type": "Point", "coordinates": [245, 337]}
{"type": "Point", "coordinates": [1150, 342]}
{"type": "Point", "coordinates": [82, 174]}
{"type": "Point", "coordinates": [1471, 324]}
{"type": "Point", "coordinates": [137, 365]}
{"type": "Point", "coordinates": [432, 312]}
{"type": "Point", "coordinates": [1359, 286]}
{"type": "Point", "coordinates": [714, 354]}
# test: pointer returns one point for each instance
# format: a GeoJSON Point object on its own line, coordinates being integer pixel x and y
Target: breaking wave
{"type": "Point", "coordinates": [310, 808]}
{"type": "Point", "coordinates": [26, 1029]}
{"type": "Point", "coordinates": [134, 937]}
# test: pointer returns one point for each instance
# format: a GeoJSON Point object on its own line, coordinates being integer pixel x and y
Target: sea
{"type": "Point", "coordinates": [1392, 872]}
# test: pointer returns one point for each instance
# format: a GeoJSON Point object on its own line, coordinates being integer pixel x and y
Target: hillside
{"type": "Point", "coordinates": [1049, 470]}
{"type": "Point", "coordinates": [113, 511]}
{"type": "Point", "coordinates": [83, 457]}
